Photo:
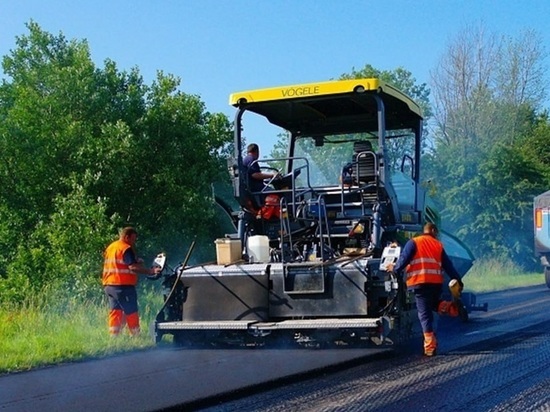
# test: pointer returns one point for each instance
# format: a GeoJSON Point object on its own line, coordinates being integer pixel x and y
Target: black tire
{"type": "Point", "coordinates": [547, 275]}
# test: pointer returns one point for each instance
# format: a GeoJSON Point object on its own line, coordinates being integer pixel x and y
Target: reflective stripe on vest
{"type": "Point", "coordinates": [115, 271]}
{"type": "Point", "coordinates": [425, 266]}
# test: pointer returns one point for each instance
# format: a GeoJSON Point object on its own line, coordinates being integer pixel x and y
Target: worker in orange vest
{"type": "Point", "coordinates": [121, 268]}
{"type": "Point", "coordinates": [424, 260]}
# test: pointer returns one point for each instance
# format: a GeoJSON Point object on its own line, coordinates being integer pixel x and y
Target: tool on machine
{"type": "Point", "coordinates": [389, 256]}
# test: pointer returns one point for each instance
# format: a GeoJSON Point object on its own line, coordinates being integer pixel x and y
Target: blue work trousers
{"type": "Point", "coordinates": [427, 300]}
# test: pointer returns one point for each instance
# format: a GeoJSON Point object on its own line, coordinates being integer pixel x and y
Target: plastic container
{"type": "Point", "coordinates": [313, 254]}
{"type": "Point", "coordinates": [258, 249]}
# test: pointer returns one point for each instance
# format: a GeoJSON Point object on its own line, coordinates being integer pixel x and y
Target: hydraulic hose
{"type": "Point", "coordinates": [183, 265]}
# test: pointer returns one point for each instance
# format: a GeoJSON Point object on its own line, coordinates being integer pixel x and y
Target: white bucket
{"type": "Point", "coordinates": [258, 249]}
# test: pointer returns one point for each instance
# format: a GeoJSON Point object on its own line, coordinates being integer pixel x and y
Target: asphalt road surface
{"type": "Point", "coordinates": [498, 361]}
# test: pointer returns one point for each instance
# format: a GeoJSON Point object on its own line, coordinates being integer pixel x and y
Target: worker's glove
{"type": "Point", "coordinates": [157, 273]}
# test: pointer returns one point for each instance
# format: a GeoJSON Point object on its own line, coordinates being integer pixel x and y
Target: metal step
{"type": "Point", "coordinates": [332, 323]}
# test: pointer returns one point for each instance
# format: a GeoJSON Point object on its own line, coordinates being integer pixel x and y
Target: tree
{"type": "Point", "coordinates": [63, 253]}
{"type": "Point", "coordinates": [487, 92]}
{"type": "Point", "coordinates": [400, 78]}
{"type": "Point", "coordinates": [79, 141]}
{"type": "Point", "coordinates": [530, 147]}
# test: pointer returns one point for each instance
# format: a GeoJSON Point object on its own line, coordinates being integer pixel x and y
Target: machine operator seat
{"type": "Point", "coordinates": [364, 160]}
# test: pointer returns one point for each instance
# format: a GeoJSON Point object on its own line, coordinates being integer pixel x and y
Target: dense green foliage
{"type": "Point", "coordinates": [488, 158]}
{"type": "Point", "coordinates": [86, 150]}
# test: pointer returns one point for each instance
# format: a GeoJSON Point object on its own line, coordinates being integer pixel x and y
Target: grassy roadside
{"type": "Point", "coordinates": [494, 275]}
{"type": "Point", "coordinates": [39, 333]}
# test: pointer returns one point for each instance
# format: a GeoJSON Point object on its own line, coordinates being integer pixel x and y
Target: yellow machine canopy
{"type": "Point", "coordinates": [342, 106]}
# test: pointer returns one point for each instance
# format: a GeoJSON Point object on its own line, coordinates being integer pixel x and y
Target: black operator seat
{"type": "Point", "coordinates": [364, 160]}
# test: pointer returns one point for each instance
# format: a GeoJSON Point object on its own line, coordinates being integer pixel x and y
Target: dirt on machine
{"type": "Point", "coordinates": [306, 263]}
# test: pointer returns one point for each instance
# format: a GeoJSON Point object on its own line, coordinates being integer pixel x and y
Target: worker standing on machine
{"type": "Point", "coordinates": [121, 268]}
{"type": "Point", "coordinates": [425, 259]}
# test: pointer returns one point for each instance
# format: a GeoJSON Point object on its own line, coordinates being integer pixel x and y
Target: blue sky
{"type": "Point", "coordinates": [218, 47]}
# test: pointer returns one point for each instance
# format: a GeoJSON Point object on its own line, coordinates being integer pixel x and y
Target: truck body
{"type": "Point", "coordinates": [541, 219]}
{"type": "Point", "coordinates": [306, 263]}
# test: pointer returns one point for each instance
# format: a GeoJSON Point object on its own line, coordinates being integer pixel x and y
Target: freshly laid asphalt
{"type": "Point", "coordinates": [160, 378]}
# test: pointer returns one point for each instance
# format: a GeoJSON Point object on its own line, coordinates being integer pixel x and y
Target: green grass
{"type": "Point", "coordinates": [38, 333]}
{"type": "Point", "coordinates": [494, 274]}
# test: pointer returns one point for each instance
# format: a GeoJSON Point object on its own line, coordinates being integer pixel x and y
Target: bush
{"type": "Point", "coordinates": [64, 253]}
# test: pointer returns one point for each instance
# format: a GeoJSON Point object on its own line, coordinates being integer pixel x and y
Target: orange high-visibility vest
{"type": "Point", "coordinates": [425, 266]}
{"type": "Point", "coordinates": [115, 271]}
